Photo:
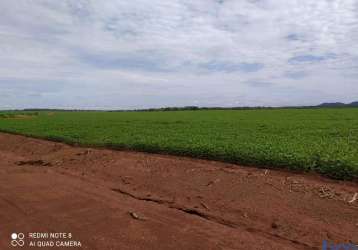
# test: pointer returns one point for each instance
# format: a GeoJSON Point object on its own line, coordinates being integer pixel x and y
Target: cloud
{"type": "Point", "coordinates": [215, 66]}
{"type": "Point", "coordinates": [294, 37]}
{"type": "Point", "coordinates": [310, 58]}
{"type": "Point", "coordinates": [127, 54]}
{"type": "Point", "coordinates": [306, 58]}
{"type": "Point", "coordinates": [297, 75]}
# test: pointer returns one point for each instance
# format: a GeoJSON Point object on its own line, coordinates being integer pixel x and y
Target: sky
{"type": "Point", "coordinates": [120, 54]}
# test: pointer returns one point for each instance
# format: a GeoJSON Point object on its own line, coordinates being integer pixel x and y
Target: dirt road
{"type": "Point", "coordinates": [125, 200]}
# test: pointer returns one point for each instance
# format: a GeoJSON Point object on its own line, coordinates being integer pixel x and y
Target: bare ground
{"type": "Point", "coordinates": [126, 200]}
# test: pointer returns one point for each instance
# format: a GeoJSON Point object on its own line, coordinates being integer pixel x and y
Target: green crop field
{"type": "Point", "coordinates": [320, 140]}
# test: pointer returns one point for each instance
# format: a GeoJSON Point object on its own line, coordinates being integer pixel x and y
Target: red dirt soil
{"type": "Point", "coordinates": [126, 200]}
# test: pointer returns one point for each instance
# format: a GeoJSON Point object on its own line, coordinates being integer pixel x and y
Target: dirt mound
{"type": "Point", "coordinates": [125, 200]}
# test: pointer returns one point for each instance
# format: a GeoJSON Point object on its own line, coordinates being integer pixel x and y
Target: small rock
{"type": "Point", "coordinates": [136, 216]}
{"type": "Point", "coordinates": [212, 182]}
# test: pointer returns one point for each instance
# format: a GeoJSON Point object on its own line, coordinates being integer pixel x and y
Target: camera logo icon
{"type": "Point", "coordinates": [17, 239]}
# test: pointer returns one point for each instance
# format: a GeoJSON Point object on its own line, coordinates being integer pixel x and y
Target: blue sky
{"type": "Point", "coordinates": [137, 54]}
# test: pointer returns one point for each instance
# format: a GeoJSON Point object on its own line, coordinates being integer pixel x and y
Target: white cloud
{"type": "Point", "coordinates": [139, 53]}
